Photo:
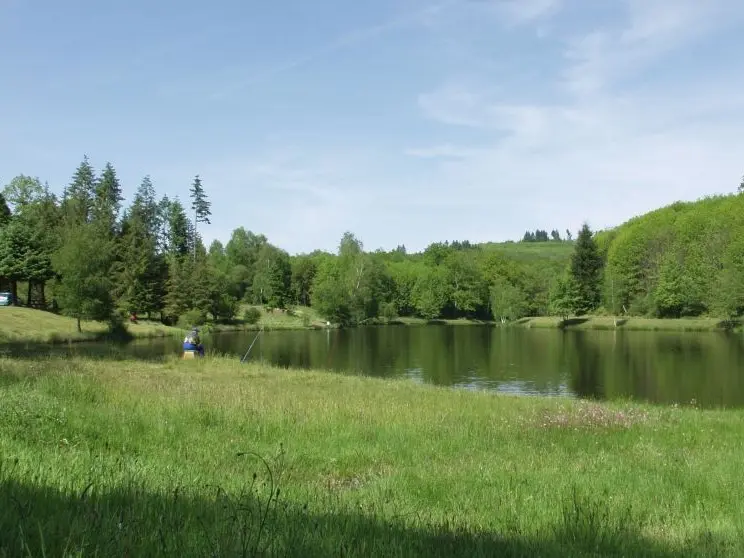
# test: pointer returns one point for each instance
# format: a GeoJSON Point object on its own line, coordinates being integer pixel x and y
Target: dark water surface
{"type": "Point", "coordinates": [660, 367]}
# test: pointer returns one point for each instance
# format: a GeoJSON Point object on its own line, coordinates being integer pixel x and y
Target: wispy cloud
{"type": "Point", "coordinates": [653, 28]}
{"type": "Point", "coordinates": [522, 11]}
{"type": "Point", "coordinates": [604, 153]}
{"type": "Point", "coordinates": [345, 40]}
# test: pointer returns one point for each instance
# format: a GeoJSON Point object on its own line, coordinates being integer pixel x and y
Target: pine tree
{"type": "Point", "coordinates": [108, 198]}
{"type": "Point", "coordinates": [179, 289]}
{"type": "Point", "coordinates": [142, 276]}
{"type": "Point", "coordinates": [200, 205]}
{"type": "Point", "coordinates": [78, 198]}
{"type": "Point", "coordinates": [177, 235]}
{"type": "Point", "coordinates": [145, 207]}
{"type": "Point", "coordinates": [4, 211]}
{"type": "Point", "coordinates": [586, 271]}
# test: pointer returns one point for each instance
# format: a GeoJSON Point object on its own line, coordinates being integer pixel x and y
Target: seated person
{"type": "Point", "coordinates": [192, 342]}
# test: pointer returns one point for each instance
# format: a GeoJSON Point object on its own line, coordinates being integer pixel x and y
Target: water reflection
{"type": "Point", "coordinates": [652, 366]}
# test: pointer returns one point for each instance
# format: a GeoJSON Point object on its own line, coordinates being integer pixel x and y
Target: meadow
{"type": "Point", "coordinates": [27, 325]}
{"type": "Point", "coordinates": [211, 457]}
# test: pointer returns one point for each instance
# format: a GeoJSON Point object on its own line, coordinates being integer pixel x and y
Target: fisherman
{"type": "Point", "coordinates": [192, 342]}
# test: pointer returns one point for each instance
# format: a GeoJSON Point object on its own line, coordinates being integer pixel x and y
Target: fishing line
{"type": "Point", "coordinates": [253, 343]}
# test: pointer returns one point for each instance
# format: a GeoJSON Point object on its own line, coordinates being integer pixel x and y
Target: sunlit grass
{"type": "Point", "coordinates": [630, 323]}
{"type": "Point", "coordinates": [135, 458]}
{"type": "Point", "coordinates": [18, 324]}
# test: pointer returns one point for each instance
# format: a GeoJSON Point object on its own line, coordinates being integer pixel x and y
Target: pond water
{"type": "Point", "coordinates": [659, 367]}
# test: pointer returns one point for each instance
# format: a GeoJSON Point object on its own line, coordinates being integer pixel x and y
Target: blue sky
{"type": "Point", "coordinates": [404, 121]}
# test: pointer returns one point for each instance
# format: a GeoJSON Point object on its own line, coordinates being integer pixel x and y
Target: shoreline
{"type": "Point", "coordinates": [597, 323]}
{"type": "Point", "coordinates": [26, 326]}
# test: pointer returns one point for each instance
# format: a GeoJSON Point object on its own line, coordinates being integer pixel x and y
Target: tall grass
{"type": "Point", "coordinates": [211, 458]}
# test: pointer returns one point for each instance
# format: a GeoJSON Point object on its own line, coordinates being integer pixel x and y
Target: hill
{"type": "Point", "coordinates": [685, 259]}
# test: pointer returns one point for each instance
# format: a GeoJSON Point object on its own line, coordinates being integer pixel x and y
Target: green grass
{"type": "Point", "coordinates": [141, 459]}
{"type": "Point", "coordinates": [421, 321]}
{"type": "Point", "coordinates": [533, 251]}
{"type": "Point", "coordinates": [632, 323]}
{"type": "Point", "coordinates": [27, 325]}
{"type": "Point", "coordinates": [18, 324]}
{"type": "Point", "coordinates": [299, 318]}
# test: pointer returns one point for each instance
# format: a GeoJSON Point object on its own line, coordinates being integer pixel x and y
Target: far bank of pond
{"type": "Point", "coordinates": [703, 369]}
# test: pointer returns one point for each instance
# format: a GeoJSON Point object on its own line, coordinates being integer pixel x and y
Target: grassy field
{"type": "Point", "coordinates": [636, 324]}
{"type": "Point", "coordinates": [26, 325]}
{"type": "Point", "coordinates": [532, 251]}
{"type": "Point", "coordinates": [211, 458]}
{"type": "Point", "coordinates": [18, 324]}
{"type": "Point", "coordinates": [300, 317]}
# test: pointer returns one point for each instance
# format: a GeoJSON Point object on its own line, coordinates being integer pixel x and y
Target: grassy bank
{"type": "Point", "coordinates": [141, 459]}
{"type": "Point", "coordinates": [26, 325]}
{"type": "Point", "coordinates": [635, 324]}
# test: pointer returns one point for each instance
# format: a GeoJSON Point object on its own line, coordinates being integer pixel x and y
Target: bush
{"type": "Point", "coordinates": [192, 318]}
{"type": "Point", "coordinates": [252, 315]}
{"type": "Point", "coordinates": [226, 307]}
{"type": "Point", "coordinates": [388, 311]}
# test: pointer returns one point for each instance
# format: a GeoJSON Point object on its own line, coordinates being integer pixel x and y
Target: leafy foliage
{"type": "Point", "coordinates": [686, 259]}
{"type": "Point", "coordinates": [83, 263]}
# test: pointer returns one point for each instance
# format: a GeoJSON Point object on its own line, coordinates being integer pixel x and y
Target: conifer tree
{"type": "Point", "coordinates": [78, 198]}
{"type": "Point", "coordinates": [586, 271]}
{"type": "Point", "coordinates": [200, 205]}
{"type": "Point", "coordinates": [4, 211]}
{"type": "Point", "coordinates": [107, 201]}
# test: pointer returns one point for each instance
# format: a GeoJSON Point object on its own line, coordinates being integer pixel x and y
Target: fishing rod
{"type": "Point", "coordinates": [253, 343]}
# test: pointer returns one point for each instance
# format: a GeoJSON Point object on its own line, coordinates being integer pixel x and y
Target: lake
{"type": "Point", "coordinates": [660, 367]}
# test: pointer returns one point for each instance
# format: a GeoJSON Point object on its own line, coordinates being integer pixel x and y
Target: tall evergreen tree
{"type": "Point", "coordinates": [79, 195]}
{"type": "Point", "coordinates": [177, 229]}
{"type": "Point", "coordinates": [586, 271]}
{"type": "Point", "coordinates": [200, 205]}
{"type": "Point", "coordinates": [142, 276]}
{"type": "Point", "coordinates": [107, 201]}
{"type": "Point", "coordinates": [145, 207]}
{"type": "Point", "coordinates": [4, 211]}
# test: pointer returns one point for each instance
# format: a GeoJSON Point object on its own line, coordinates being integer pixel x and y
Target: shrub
{"type": "Point", "coordinates": [388, 311]}
{"type": "Point", "coordinates": [252, 315]}
{"type": "Point", "coordinates": [226, 307]}
{"type": "Point", "coordinates": [192, 318]}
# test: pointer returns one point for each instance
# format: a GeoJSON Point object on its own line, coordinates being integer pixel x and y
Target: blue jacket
{"type": "Point", "coordinates": [193, 343]}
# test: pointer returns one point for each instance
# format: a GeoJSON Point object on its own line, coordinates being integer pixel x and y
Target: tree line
{"type": "Point", "coordinates": [87, 256]}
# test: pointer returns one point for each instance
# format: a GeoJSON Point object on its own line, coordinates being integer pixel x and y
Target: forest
{"type": "Point", "coordinates": [84, 254]}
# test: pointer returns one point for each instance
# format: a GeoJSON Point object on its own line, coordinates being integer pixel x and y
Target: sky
{"type": "Point", "coordinates": [402, 121]}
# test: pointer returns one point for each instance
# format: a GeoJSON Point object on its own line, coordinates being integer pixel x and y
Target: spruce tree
{"type": "Point", "coordinates": [145, 207]}
{"type": "Point", "coordinates": [108, 198]}
{"type": "Point", "coordinates": [78, 198]}
{"type": "Point", "coordinates": [586, 271]}
{"type": "Point", "coordinates": [200, 206]}
{"type": "Point", "coordinates": [177, 236]}
{"type": "Point", "coordinates": [4, 211]}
